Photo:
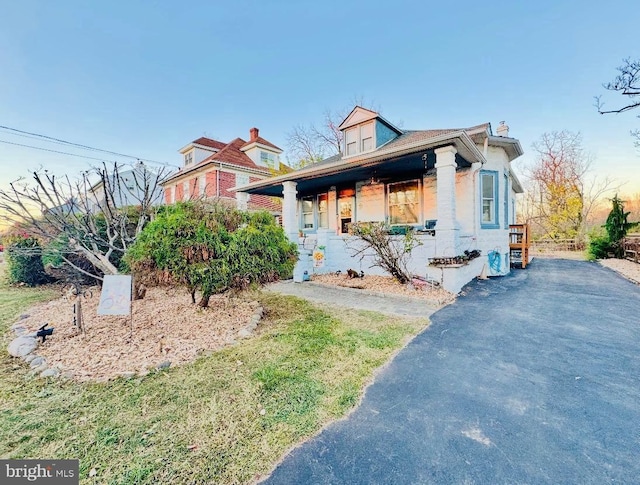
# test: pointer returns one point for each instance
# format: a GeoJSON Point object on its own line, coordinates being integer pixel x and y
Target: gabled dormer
{"type": "Point", "coordinates": [262, 152]}
{"type": "Point", "coordinates": [199, 149]}
{"type": "Point", "coordinates": [364, 131]}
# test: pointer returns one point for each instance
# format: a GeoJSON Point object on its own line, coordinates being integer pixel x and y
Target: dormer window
{"type": "Point", "coordinates": [267, 159]}
{"type": "Point", "coordinates": [359, 139]}
{"type": "Point", "coordinates": [188, 158]}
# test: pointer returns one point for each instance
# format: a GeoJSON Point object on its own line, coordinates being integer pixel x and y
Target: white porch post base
{"type": "Point", "coordinates": [242, 201]}
{"type": "Point", "coordinates": [446, 226]}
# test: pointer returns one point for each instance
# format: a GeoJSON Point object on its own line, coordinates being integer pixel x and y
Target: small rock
{"type": "Point", "coordinates": [24, 316]}
{"type": "Point", "coordinates": [260, 311]}
{"type": "Point", "coordinates": [29, 357]}
{"type": "Point", "coordinates": [263, 412]}
{"type": "Point", "coordinates": [21, 346]}
{"type": "Point", "coordinates": [37, 361]}
{"type": "Point", "coordinates": [164, 365]}
{"type": "Point", "coordinates": [67, 375]}
{"type": "Point", "coordinates": [51, 372]}
{"type": "Point", "coordinates": [244, 333]}
{"type": "Point", "coordinates": [40, 369]}
{"type": "Point", "coordinates": [128, 375]}
{"type": "Point", "coordinates": [18, 330]}
{"type": "Point", "coordinates": [254, 304]}
{"type": "Point", "coordinates": [93, 472]}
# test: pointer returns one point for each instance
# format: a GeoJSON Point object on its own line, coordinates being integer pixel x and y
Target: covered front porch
{"type": "Point", "coordinates": [422, 188]}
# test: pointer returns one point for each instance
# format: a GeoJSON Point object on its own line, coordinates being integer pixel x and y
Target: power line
{"type": "Point", "coordinates": [51, 139]}
{"type": "Point", "coordinates": [57, 151]}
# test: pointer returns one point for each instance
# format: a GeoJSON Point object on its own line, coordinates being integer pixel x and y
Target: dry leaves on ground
{"type": "Point", "coordinates": [387, 285]}
{"type": "Point", "coordinates": [166, 327]}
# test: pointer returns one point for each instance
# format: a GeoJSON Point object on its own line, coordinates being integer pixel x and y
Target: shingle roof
{"type": "Point", "coordinates": [208, 142]}
{"type": "Point", "coordinates": [228, 153]}
{"type": "Point", "coordinates": [231, 154]}
{"type": "Point", "coordinates": [261, 141]}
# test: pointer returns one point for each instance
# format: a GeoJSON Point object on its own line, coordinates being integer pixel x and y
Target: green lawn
{"type": "Point", "coordinates": [203, 422]}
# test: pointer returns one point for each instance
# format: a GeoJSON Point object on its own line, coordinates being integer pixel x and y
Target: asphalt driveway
{"type": "Point", "coordinates": [530, 378]}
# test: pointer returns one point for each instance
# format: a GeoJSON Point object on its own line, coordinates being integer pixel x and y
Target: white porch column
{"type": "Point", "coordinates": [446, 227]}
{"type": "Point", "coordinates": [289, 204]}
{"type": "Point", "coordinates": [242, 201]}
{"type": "Point", "coordinates": [332, 209]}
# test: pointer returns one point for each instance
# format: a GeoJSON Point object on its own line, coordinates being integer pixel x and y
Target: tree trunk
{"type": "Point", "coordinates": [204, 302]}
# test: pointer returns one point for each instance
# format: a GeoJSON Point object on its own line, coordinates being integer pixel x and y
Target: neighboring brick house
{"type": "Point", "coordinates": [210, 168]}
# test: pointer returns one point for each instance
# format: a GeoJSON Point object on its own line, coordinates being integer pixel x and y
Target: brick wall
{"type": "Point", "coordinates": [211, 189]}
{"type": "Point", "coordinates": [193, 188]}
{"type": "Point", "coordinates": [167, 195]}
{"type": "Point", "coordinates": [179, 191]}
{"type": "Point", "coordinates": [227, 181]}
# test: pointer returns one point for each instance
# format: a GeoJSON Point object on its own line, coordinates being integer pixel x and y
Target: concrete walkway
{"type": "Point", "coordinates": [358, 299]}
{"type": "Point", "coordinates": [531, 378]}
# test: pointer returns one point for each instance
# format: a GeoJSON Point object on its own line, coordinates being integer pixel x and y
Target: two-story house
{"type": "Point", "coordinates": [211, 168]}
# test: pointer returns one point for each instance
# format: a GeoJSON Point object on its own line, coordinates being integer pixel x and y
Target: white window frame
{"type": "Point", "coordinates": [303, 213]}
{"type": "Point", "coordinates": [354, 139]}
{"type": "Point", "coordinates": [417, 203]}
{"type": "Point", "coordinates": [493, 222]}
{"type": "Point", "coordinates": [323, 224]}
{"type": "Point", "coordinates": [188, 158]}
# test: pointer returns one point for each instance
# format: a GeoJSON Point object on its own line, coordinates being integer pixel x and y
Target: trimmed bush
{"type": "Point", "coordinates": [24, 261]}
{"type": "Point", "coordinates": [211, 249]}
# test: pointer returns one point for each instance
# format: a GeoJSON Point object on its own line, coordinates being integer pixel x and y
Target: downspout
{"type": "Point", "coordinates": [476, 187]}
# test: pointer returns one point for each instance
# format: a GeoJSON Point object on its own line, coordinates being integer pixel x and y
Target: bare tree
{"type": "Point", "coordinates": [627, 83]}
{"type": "Point", "coordinates": [96, 217]}
{"type": "Point", "coordinates": [561, 195]}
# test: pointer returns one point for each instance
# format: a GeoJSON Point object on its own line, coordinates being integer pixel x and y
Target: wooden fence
{"type": "Point", "coordinates": [632, 248]}
{"type": "Point", "coordinates": [553, 245]}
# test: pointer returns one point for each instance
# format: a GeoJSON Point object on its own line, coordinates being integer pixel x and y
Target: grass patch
{"type": "Point", "coordinates": [203, 422]}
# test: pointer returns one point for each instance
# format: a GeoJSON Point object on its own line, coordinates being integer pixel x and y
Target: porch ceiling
{"type": "Point", "coordinates": [388, 170]}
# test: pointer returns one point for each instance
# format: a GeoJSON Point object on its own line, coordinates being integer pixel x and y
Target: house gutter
{"type": "Point", "coordinates": [368, 160]}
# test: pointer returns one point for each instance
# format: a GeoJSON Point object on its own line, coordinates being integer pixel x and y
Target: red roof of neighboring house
{"type": "Point", "coordinates": [228, 153]}
{"type": "Point", "coordinates": [261, 141]}
{"type": "Point", "coordinates": [208, 142]}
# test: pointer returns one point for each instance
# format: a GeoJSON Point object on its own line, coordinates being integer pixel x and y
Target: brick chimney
{"type": "Point", "coordinates": [503, 130]}
{"type": "Point", "coordinates": [253, 134]}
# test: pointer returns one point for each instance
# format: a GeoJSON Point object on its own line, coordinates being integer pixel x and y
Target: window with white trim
{"type": "Point", "coordinates": [359, 139]}
{"type": "Point", "coordinates": [489, 194]}
{"type": "Point", "coordinates": [323, 212]}
{"type": "Point", "coordinates": [188, 158]}
{"type": "Point", "coordinates": [307, 213]}
{"type": "Point", "coordinates": [351, 141]}
{"type": "Point", "coordinates": [242, 179]}
{"type": "Point", "coordinates": [267, 159]}
{"type": "Point", "coordinates": [403, 202]}
{"type": "Point", "coordinates": [366, 136]}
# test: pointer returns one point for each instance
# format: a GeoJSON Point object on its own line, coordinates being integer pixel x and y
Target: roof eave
{"type": "Point", "coordinates": [468, 146]}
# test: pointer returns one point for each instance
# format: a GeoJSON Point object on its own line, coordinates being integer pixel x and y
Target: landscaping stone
{"type": "Point", "coordinates": [21, 346]}
{"type": "Point", "coordinates": [51, 372]}
{"type": "Point", "coordinates": [40, 369]}
{"type": "Point", "coordinates": [29, 357]}
{"type": "Point", "coordinates": [37, 361]}
{"type": "Point", "coordinates": [244, 333]}
{"type": "Point", "coordinates": [24, 316]}
{"type": "Point", "coordinates": [128, 375]}
{"type": "Point", "coordinates": [164, 365]}
{"type": "Point", "coordinates": [19, 330]}
{"type": "Point", "coordinates": [67, 374]}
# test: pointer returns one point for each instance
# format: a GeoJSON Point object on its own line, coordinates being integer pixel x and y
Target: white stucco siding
{"type": "Point", "coordinates": [465, 201]}
{"type": "Point", "coordinates": [370, 202]}
{"type": "Point", "coordinates": [429, 198]}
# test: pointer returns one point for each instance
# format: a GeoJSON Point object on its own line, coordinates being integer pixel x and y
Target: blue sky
{"type": "Point", "coordinates": [145, 78]}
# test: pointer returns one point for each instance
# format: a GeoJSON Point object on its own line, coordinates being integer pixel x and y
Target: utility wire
{"type": "Point", "coordinates": [57, 151]}
{"type": "Point", "coordinates": [51, 139]}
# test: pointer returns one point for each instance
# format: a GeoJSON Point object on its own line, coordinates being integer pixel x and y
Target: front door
{"type": "Point", "coordinates": [345, 213]}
